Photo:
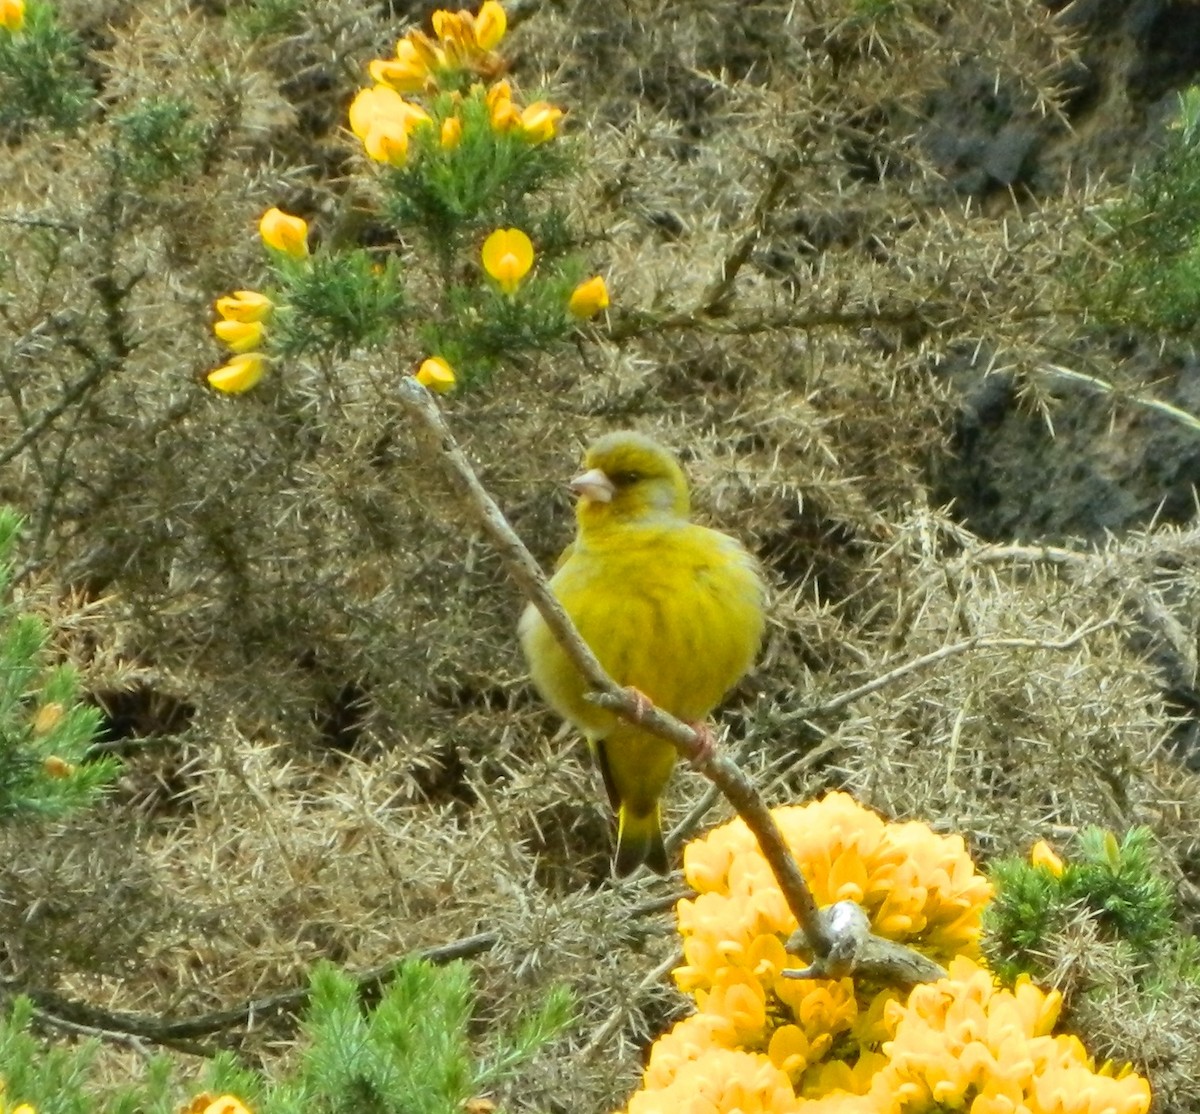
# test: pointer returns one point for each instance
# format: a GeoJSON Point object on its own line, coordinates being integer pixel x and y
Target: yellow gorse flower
{"type": "Point", "coordinates": [463, 42]}
{"type": "Point", "coordinates": [58, 768]}
{"type": "Point", "coordinates": [48, 717]}
{"type": "Point", "coordinates": [245, 305]}
{"type": "Point", "coordinates": [539, 122]}
{"type": "Point", "coordinates": [451, 135]}
{"type": "Point", "coordinates": [1042, 855]}
{"type": "Point", "coordinates": [226, 1104]}
{"type": "Point", "coordinates": [718, 1081]}
{"type": "Point", "coordinates": [241, 373]}
{"type": "Point", "coordinates": [384, 120]}
{"type": "Point", "coordinates": [12, 15]}
{"type": "Point", "coordinates": [490, 25]}
{"type": "Point", "coordinates": [588, 298]}
{"type": "Point", "coordinates": [406, 73]}
{"type": "Point", "coordinates": [436, 374]}
{"type": "Point", "coordinates": [240, 336]}
{"type": "Point", "coordinates": [504, 115]}
{"type": "Point", "coordinates": [284, 233]}
{"type": "Point", "coordinates": [507, 257]}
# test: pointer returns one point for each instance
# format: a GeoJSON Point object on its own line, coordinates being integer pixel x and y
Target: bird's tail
{"type": "Point", "coordinates": [640, 840]}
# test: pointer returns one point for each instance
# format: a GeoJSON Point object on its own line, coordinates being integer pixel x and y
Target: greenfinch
{"type": "Point", "coordinates": [672, 610]}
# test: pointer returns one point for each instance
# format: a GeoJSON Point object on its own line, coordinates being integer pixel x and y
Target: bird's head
{"type": "Point", "coordinates": [628, 477]}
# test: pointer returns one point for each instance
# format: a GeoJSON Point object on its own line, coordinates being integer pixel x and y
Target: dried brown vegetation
{"type": "Point", "coordinates": [308, 658]}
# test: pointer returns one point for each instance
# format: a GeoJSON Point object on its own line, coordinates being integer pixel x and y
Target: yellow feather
{"type": "Point", "coordinates": [669, 607]}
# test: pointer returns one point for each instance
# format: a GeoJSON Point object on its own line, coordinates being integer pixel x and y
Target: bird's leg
{"type": "Point", "coordinates": [641, 702]}
{"type": "Point", "coordinates": [706, 742]}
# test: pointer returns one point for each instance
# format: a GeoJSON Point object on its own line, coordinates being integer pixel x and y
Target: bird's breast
{"type": "Point", "coordinates": [675, 610]}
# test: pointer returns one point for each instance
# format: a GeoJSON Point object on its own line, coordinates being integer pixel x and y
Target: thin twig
{"type": "Point", "coordinates": [51, 414]}
{"type": "Point", "coordinates": [1102, 386]}
{"type": "Point", "coordinates": [914, 665]}
{"type": "Point", "coordinates": [715, 300]}
{"type": "Point", "coordinates": [110, 1025]}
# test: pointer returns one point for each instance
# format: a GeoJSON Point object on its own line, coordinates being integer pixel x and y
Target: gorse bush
{"type": "Point", "coordinates": [767, 1040]}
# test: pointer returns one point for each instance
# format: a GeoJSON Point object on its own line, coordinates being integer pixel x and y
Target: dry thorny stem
{"type": "Point", "coordinates": [839, 938]}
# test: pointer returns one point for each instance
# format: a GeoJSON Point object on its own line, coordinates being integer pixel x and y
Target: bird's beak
{"type": "Point", "coordinates": [594, 486]}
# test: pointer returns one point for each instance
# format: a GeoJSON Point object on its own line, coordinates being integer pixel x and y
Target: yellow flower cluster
{"type": "Point", "coordinates": [384, 120]}
{"type": "Point", "coordinates": [717, 1079]}
{"type": "Point", "coordinates": [960, 1043]}
{"type": "Point", "coordinates": [243, 325]}
{"type": "Point", "coordinates": [965, 1040]}
{"type": "Point", "coordinates": [463, 42]}
{"type": "Point", "coordinates": [537, 122]}
{"type": "Point", "coordinates": [917, 887]}
{"type": "Point", "coordinates": [12, 15]}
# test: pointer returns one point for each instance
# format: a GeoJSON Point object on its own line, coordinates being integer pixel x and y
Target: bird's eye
{"type": "Point", "coordinates": [624, 479]}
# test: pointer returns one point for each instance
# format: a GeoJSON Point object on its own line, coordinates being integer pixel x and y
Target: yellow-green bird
{"type": "Point", "coordinates": [671, 609]}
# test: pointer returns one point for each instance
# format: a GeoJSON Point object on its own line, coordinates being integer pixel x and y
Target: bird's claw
{"type": "Point", "coordinates": [706, 743]}
{"type": "Point", "coordinates": [642, 704]}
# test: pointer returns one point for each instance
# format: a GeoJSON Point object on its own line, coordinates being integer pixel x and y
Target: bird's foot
{"type": "Point", "coordinates": [641, 702]}
{"type": "Point", "coordinates": [706, 742]}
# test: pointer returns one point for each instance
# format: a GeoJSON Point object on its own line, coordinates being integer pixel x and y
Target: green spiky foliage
{"type": "Point", "coordinates": [45, 731]}
{"type": "Point", "coordinates": [411, 1053]}
{"type": "Point", "coordinates": [1114, 883]}
{"type": "Point", "coordinates": [1148, 245]}
{"type": "Point", "coordinates": [41, 78]}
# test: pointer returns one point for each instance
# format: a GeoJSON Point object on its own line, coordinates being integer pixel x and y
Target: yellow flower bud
{"type": "Point", "coordinates": [226, 1104]}
{"type": "Point", "coordinates": [501, 110]}
{"type": "Point", "coordinates": [1040, 855]}
{"type": "Point", "coordinates": [284, 233]}
{"type": "Point", "coordinates": [451, 132]}
{"type": "Point", "coordinates": [240, 374]}
{"type": "Point", "coordinates": [47, 718]}
{"type": "Point", "coordinates": [245, 305]}
{"type": "Point", "coordinates": [507, 257]}
{"type": "Point", "coordinates": [240, 336]}
{"type": "Point", "coordinates": [490, 25]}
{"type": "Point", "coordinates": [57, 768]}
{"type": "Point", "coordinates": [12, 15]}
{"type": "Point", "coordinates": [539, 121]}
{"type": "Point", "coordinates": [436, 374]}
{"type": "Point", "coordinates": [589, 298]}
